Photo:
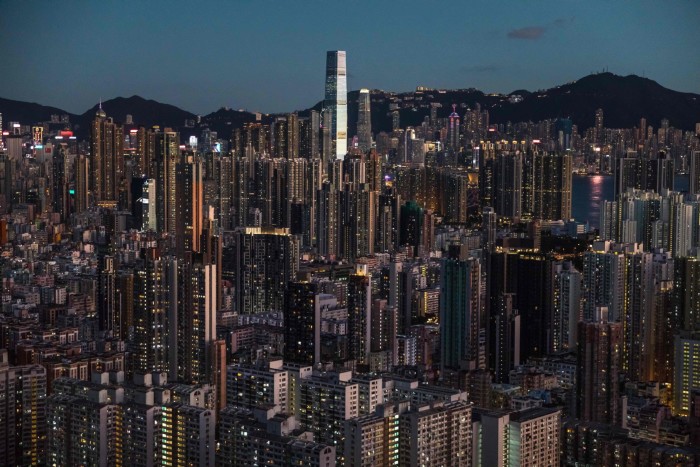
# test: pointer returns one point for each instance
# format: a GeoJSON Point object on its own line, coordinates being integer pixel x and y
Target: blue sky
{"type": "Point", "coordinates": [268, 55]}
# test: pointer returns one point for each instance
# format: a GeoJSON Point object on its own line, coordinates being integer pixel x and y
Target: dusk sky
{"type": "Point", "coordinates": [269, 55]}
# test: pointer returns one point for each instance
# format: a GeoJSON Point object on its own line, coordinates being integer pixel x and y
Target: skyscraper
{"type": "Point", "coordinates": [107, 154]}
{"type": "Point", "coordinates": [453, 131]}
{"type": "Point", "coordinates": [565, 305]}
{"type": "Point", "coordinates": [364, 121]}
{"type": "Point", "coordinates": [460, 308]}
{"type": "Point", "coordinates": [599, 352]}
{"type": "Point", "coordinates": [509, 181]}
{"type": "Point", "coordinates": [359, 300]}
{"type": "Point", "coordinates": [552, 186]}
{"type": "Point", "coordinates": [599, 126]}
{"type": "Point", "coordinates": [694, 184]}
{"type": "Point", "coordinates": [167, 156]}
{"type": "Point", "coordinates": [189, 204]}
{"type": "Point", "coordinates": [336, 101]}
{"type": "Point", "coordinates": [152, 299]}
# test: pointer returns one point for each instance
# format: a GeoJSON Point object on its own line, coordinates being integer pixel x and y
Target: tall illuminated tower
{"type": "Point", "coordinates": [336, 101]}
{"type": "Point", "coordinates": [453, 131]}
{"type": "Point", "coordinates": [364, 121]}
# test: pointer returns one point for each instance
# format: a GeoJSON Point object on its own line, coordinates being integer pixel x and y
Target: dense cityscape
{"type": "Point", "coordinates": [307, 289]}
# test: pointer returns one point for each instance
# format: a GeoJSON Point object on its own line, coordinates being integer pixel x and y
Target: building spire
{"type": "Point", "coordinates": [101, 113]}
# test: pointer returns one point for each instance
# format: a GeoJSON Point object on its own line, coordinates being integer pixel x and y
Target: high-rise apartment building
{"type": "Point", "coordinates": [686, 290]}
{"type": "Point", "coordinates": [167, 156]}
{"type": "Point", "coordinates": [267, 436]}
{"type": "Point", "coordinates": [22, 413]}
{"type": "Point", "coordinates": [154, 295]}
{"type": "Point", "coordinates": [192, 322]}
{"type": "Point", "coordinates": [262, 384]}
{"type": "Point", "coordinates": [599, 355]}
{"type": "Point", "coordinates": [686, 372]}
{"type": "Point", "coordinates": [191, 439]}
{"type": "Point", "coordinates": [460, 314]}
{"type": "Point", "coordinates": [552, 186]}
{"type": "Point", "coordinates": [107, 159]}
{"type": "Point", "coordinates": [302, 335]}
{"type": "Point", "coordinates": [263, 262]}
{"type": "Point", "coordinates": [189, 175]}
{"type": "Point", "coordinates": [508, 174]}
{"type": "Point", "coordinates": [565, 305]}
{"type": "Point", "coordinates": [528, 437]}
{"type": "Point", "coordinates": [694, 181]}
{"type": "Point", "coordinates": [318, 390]}
{"type": "Point", "coordinates": [436, 434]}
{"type": "Point", "coordinates": [336, 102]}
{"type": "Point", "coordinates": [359, 319]}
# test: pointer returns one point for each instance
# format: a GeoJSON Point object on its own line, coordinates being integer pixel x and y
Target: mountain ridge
{"type": "Point", "coordinates": [624, 100]}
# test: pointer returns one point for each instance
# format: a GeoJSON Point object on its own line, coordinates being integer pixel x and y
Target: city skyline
{"type": "Point", "coordinates": [440, 277]}
{"type": "Point", "coordinates": [496, 48]}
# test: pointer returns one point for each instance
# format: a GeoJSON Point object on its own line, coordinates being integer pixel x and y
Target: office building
{"type": "Point", "coordinates": [364, 121]}
{"type": "Point", "coordinates": [336, 102]}
{"type": "Point", "coordinates": [453, 130]}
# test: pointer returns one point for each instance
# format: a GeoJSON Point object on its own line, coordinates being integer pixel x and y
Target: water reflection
{"type": "Point", "coordinates": [588, 194]}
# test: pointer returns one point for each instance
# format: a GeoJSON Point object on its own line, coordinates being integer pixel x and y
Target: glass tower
{"type": "Point", "coordinates": [364, 121]}
{"type": "Point", "coordinates": [336, 101]}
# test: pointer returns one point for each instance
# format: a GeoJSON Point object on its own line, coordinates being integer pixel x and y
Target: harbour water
{"type": "Point", "coordinates": [589, 191]}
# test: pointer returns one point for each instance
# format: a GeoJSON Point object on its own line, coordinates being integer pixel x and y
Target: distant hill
{"type": "Point", "coordinates": [145, 112]}
{"type": "Point", "coordinates": [624, 100]}
{"type": "Point", "coordinates": [224, 120]}
{"type": "Point", "coordinates": [27, 112]}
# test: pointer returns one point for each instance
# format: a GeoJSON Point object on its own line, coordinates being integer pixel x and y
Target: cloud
{"type": "Point", "coordinates": [527, 33]}
{"type": "Point", "coordinates": [479, 68]}
{"type": "Point", "coordinates": [535, 32]}
{"type": "Point", "coordinates": [561, 22]}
